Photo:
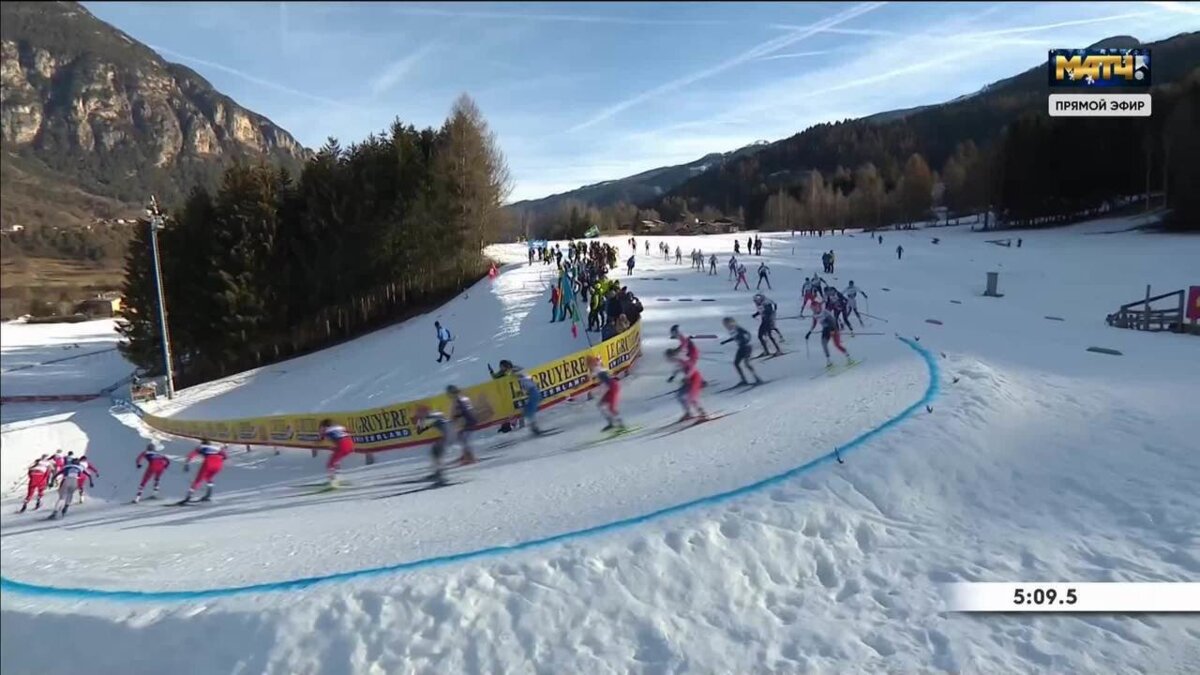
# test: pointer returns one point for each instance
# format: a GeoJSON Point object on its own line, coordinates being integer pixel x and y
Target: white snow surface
{"type": "Point", "coordinates": [1039, 462]}
{"type": "Point", "coordinates": [59, 358]}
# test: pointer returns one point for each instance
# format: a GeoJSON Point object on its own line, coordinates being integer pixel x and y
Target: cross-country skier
{"type": "Point", "coordinates": [764, 274]}
{"type": "Point", "coordinates": [88, 468]}
{"type": "Point", "coordinates": [852, 292]}
{"type": "Point", "coordinates": [837, 303]}
{"type": "Point", "coordinates": [741, 277]}
{"type": "Point", "coordinates": [737, 247]}
{"type": "Point", "coordinates": [712, 264]}
{"type": "Point", "coordinates": [610, 400]}
{"type": "Point", "coordinates": [647, 247]}
{"type": "Point", "coordinates": [39, 477]}
{"type": "Point", "coordinates": [629, 264]}
{"type": "Point", "coordinates": [742, 337]}
{"type": "Point", "coordinates": [343, 446]}
{"type": "Point", "coordinates": [817, 306]}
{"type": "Point", "coordinates": [156, 464]}
{"type": "Point", "coordinates": [444, 338]}
{"type": "Point", "coordinates": [808, 291]}
{"type": "Point", "coordinates": [733, 263]}
{"type": "Point", "coordinates": [678, 256]}
{"type": "Point", "coordinates": [59, 459]}
{"type": "Point", "coordinates": [766, 308]}
{"type": "Point", "coordinates": [432, 419]}
{"type": "Point", "coordinates": [462, 411]}
{"type": "Point", "coordinates": [899, 252]}
{"type": "Point", "coordinates": [213, 458]}
{"type": "Point", "coordinates": [689, 390]}
{"type": "Point", "coordinates": [829, 329]}
{"type": "Point", "coordinates": [68, 481]}
{"type": "Point", "coordinates": [533, 399]}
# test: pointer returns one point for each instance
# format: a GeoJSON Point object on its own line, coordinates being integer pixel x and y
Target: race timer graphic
{"type": "Point", "coordinates": [1106, 597]}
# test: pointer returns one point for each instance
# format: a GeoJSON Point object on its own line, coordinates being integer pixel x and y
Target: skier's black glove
{"type": "Point", "coordinates": [807, 334]}
{"type": "Point", "coordinates": [490, 369]}
{"type": "Point", "coordinates": [187, 468]}
{"type": "Point", "coordinates": [139, 466]}
{"type": "Point", "coordinates": [671, 378]}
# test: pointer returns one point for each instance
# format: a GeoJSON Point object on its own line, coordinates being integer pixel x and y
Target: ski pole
{"type": "Point", "coordinates": [877, 317]}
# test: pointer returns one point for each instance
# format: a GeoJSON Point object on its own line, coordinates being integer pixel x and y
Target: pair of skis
{"type": "Point", "coordinates": [612, 435]}
{"type": "Point", "coordinates": [836, 369]}
{"type": "Point", "coordinates": [744, 386]}
{"type": "Point", "coordinates": [684, 425]}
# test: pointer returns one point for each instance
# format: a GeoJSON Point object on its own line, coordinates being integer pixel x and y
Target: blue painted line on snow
{"type": "Point", "coordinates": [931, 392]}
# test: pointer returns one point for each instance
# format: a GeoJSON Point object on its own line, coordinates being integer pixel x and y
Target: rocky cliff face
{"type": "Point", "coordinates": [84, 103]}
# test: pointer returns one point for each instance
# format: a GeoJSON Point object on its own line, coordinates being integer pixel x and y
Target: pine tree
{"type": "Point", "coordinates": [916, 189]}
{"type": "Point", "coordinates": [138, 320]}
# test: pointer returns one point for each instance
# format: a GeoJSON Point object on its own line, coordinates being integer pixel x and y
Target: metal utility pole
{"type": "Point", "coordinates": [156, 224]}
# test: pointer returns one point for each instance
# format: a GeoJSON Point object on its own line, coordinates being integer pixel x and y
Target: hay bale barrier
{"type": "Point", "coordinates": [933, 321]}
{"type": "Point", "coordinates": [1056, 318]}
{"type": "Point", "coordinates": [1104, 350]}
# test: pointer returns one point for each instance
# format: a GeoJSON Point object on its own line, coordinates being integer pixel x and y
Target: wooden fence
{"type": "Point", "coordinates": [1141, 315]}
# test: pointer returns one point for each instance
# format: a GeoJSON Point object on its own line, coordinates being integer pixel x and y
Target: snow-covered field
{"type": "Point", "coordinates": [59, 359]}
{"type": "Point", "coordinates": [1039, 462]}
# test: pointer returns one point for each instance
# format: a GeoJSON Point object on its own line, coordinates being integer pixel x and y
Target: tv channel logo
{"type": "Point", "coordinates": [1105, 67]}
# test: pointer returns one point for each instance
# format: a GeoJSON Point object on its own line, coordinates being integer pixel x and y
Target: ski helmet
{"type": "Point", "coordinates": [452, 390]}
{"type": "Point", "coordinates": [675, 331]}
{"type": "Point", "coordinates": [593, 360]}
{"type": "Point", "coordinates": [758, 298]}
{"type": "Point", "coordinates": [728, 321]}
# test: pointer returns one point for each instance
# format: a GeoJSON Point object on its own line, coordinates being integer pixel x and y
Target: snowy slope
{"type": "Point", "coordinates": [505, 318]}
{"type": "Point", "coordinates": [1039, 461]}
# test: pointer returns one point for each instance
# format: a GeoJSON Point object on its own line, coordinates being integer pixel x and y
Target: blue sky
{"type": "Point", "coordinates": [583, 92]}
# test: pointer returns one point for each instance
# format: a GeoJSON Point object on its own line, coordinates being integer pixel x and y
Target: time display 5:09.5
{"type": "Point", "coordinates": [1044, 596]}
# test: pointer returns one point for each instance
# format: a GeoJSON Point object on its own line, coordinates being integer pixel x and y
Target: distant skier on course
{"type": "Point", "coordinates": [829, 329]}
{"type": "Point", "coordinates": [462, 412]}
{"type": "Point", "coordinates": [686, 358]}
{"type": "Point", "coordinates": [766, 309]}
{"type": "Point", "coordinates": [68, 481]}
{"type": "Point", "coordinates": [91, 470]}
{"type": "Point", "coordinates": [156, 464]}
{"type": "Point", "coordinates": [611, 399]}
{"type": "Point", "coordinates": [742, 337]}
{"type": "Point", "coordinates": [343, 446]}
{"type": "Point", "coordinates": [444, 338]}
{"type": "Point", "coordinates": [213, 458]}
{"type": "Point", "coordinates": [427, 419]}
{"type": "Point", "coordinates": [39, 474]}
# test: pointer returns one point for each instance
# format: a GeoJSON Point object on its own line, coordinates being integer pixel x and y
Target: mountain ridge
{"type": "Point", "coordinates": [1019, 86]}
{"type": "Point", "coordinates": [88, 110]}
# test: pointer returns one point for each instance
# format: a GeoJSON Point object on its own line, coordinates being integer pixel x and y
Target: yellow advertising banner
{"type": "Point", "coordinates": [392, 426]}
